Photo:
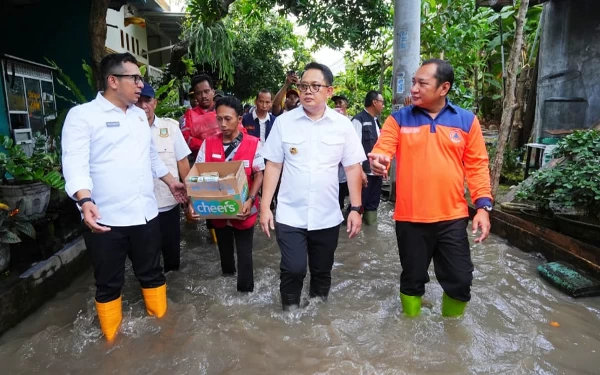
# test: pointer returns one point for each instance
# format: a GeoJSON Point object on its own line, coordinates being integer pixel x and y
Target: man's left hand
{"type": "Point", "coordinates": [354, 223]}
{"type": "Point", "coordinates": [179, 191]}
{"type": "Point", "coordinates": [481, 221]}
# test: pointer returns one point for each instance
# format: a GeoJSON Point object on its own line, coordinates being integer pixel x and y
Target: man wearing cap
{"type": "Point", "coordinates": [292, 97]}
{"type": "Point", "coordinates": [341, 103]}
{"type": "Point", "coordinates": [173, 151]}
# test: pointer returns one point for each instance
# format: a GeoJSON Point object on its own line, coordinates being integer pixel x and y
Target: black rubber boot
{"type": "Point", "coordinates": [290, 302]}
{"type": "Point", "coordinates": [321, 293]}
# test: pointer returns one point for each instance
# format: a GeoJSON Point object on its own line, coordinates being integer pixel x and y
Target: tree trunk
{"type": "Point", "coordinates": [382, 72]}
{"type": "Point", "coordinates": [523, 85]}
{"type": "Point", "coordinates": [529, 117]}
{"type": "Point", "coordinates": [97, 30]}
{"type": "Point", "coordinates": [510, 101]}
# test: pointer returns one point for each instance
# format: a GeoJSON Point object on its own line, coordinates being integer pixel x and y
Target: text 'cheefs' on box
{"type": "Point", "coordinates": [217, 190]}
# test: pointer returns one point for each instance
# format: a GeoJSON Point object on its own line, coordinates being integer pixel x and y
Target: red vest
{"type": "Point", "coordinates": [246, 151]}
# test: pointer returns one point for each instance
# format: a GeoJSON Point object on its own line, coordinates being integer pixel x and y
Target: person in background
{"type": "Point", "coordinates": [200, 122]}
{"type": "Point", "coordinates": [173, 151]}
{"type": "Point", "coordinates": [258, 122]}
{"type": "Point", "coordinates": [233, 145]}
{"type": "Point", "coordinates": [367, 126]}
{"type": "Point", "coordinates": [109, 161]}
{"type": "Point", "coordinates": [286, 95]}
{"type": "Point", "coordinates": [437, 146]}
{"type": "Point", "coordinates": [218, 95]}
{"type": "Point", "coordinates": [341, 103]}
{"type": "Point", "coordinates": [308, 143]}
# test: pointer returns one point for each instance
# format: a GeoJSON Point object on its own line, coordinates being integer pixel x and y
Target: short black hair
{"type": "Point", "coordinates": [201, 78]}
{"type": "Point", "coordinates": [264, 91]}
{"type": "Point", "coordinates": [113, 64]}
{"type": "Point", "coordinates": [444, 71]}
{"type": "Point", "coordinates": [231, 102]}
{"type": "Point", "coordinates": [323, 68]}
{"type": "Point", "coordinates": [371, 96]}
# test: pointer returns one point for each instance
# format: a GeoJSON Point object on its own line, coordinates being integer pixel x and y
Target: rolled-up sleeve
{"type": "Point", "coordinates": [273, 150]}
{"type": "Point", "coordinates": [159, 169]}
{"type": "Point", "coordinates": [76, 138]}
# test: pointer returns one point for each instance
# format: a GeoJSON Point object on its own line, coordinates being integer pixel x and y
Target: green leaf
{"type": "Point", "coordinates": [9, 237]}
{"type": "Point", "coordinates": [26, 228]}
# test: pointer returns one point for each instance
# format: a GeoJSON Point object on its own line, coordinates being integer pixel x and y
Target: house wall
{"type": "Point", "coordinates": [568, 66]}
{"type": "Point", "coordinates": [55, 30]}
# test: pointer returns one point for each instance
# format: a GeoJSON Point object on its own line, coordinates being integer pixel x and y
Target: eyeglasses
{"type": "Point", "coordinates": [136, 77]}
{"type": "Point", "coordinates": [381, 101]}
{"type": "Point", "coordinates": [314, 87]}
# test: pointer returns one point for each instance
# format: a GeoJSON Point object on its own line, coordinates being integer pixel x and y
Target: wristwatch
{"type": "Point", "coordinates": [359, 209]}
{"type": "Point", "coordinates": [81, 202]}
{"type": "Point", "coordinates": [252, 197]}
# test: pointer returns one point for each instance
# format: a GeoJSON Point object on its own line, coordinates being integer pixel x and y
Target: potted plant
{"type": "Point", "coordinates": [29, 177]}
{"type": "Point", "coordinates": [12, 223]}
{"type": "Point", "coordinates": [572, 188]}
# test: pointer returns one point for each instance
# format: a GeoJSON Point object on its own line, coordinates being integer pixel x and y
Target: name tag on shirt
{"type": "Point", "coordinates": [113, 124]}
{"type": "Point", "coordinates": [246, 163]}
{"type": "Point", "coordinates": [369, 123]}
{"type": "Point", "coordinates": [216, 156]}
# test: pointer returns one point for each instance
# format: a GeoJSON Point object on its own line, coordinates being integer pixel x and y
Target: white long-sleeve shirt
{"type": "Point", "coordinates": [311, 152]}
{"type": "Point", "coordinates": [112, 154]}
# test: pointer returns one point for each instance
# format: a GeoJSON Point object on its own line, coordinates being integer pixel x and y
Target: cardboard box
{"type": "Point", "coordinates": [222, 199]}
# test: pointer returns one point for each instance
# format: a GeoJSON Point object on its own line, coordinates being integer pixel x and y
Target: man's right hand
{"type": "Point", "coordinates": [266, 221]}
{"type": "Point", "coordinates": [379, 164]}
{"type": "Point", "coordinates": [291, 79]}
{"type": "Point", "coordinates": [90, 217]}
{"type": "Point", "coordinates": [190, 214]}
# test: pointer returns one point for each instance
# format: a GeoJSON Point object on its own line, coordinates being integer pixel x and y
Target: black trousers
{"type": "Point", "coordinates": [447, 243]}
{"type": "Point", "coordinates": [170, 234]}
{"type": "Point", "coordinates": [243, 244]}
{"type": "Point", "coordinates": [296, 246]}
{"type": "Point", "coordinates": [371, 194]}
{"type": "Point", "coordinates": [109, 251]}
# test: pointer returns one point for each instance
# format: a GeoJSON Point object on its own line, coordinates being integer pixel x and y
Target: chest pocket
{"type": "Point", "coordinates": [164, 144]}
{"type": "Point", "coordinates": [369, 133]}
{"type": "Point", "coordinates": [295, 146]}
{"type": "Point", "coordinates": [331, 149]}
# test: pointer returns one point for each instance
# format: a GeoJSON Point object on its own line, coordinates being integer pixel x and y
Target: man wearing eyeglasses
{"type": "Point", "coordinates": [367, 128]}
{"type": "Point", "coordinates": [109, 161]}
{"type": "Point", "coordinates": [307, 144]}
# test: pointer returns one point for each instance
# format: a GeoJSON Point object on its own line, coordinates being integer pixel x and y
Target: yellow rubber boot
{"type": "Point", "coordinates": [110, 315]}
{"type": "Point", "coordinates": [213, 234]}
{"type": "Point", "coordinates": [452, 308]}
{"type": "Point", "coordinates": [156, 300]}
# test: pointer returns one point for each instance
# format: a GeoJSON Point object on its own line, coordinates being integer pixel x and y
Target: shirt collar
{"type": "Point", "coordinates": [449, 105]}
{"type": "Point", "coordinates": [105, 105]}
{"type": "Point", "coordinates": [329, 113]}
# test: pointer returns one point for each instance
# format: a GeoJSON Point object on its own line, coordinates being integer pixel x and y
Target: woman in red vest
{"type": "Point", "coordinates": [231, 145]}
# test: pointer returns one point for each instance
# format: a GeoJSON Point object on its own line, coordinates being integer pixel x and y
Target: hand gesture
{"type": "Point", "coordinates": [179, 192]}
{"type": "Point", "coordinates": [353, 224]}
{"type": "Point", "coordinates": [266, 221]}
{"type": "Point", "coordinates": [90, 217]}
{"type": "Point", "coordinates": [379, 164]}
{"type": "Point", "coordinates": [481, 220]}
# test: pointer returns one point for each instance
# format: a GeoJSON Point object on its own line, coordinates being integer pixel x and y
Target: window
{"type": "Point", "coordinates": [30, 94]}
{"type": "Point", "coordinates": [122, 41]}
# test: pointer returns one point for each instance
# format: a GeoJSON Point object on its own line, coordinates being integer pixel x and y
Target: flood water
{"type": "Point", "coordinates": [211, 329]}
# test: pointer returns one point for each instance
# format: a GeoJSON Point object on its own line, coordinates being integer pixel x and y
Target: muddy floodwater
{"type": "Point", "coordinates": [211, 329]}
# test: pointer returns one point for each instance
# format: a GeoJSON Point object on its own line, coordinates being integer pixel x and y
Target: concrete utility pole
{"type": "Point", "coordinates": [407, 53]}
{"type": "Point", "coordinates": [407, 47]}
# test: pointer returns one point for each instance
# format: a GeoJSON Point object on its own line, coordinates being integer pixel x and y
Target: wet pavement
{"type": "Point", "coordinates": [211, 329]}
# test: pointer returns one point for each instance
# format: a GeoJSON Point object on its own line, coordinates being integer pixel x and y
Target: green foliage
{"type": "Point", "coordinates": [259, 46]}
{"type": "Point", "coordinates": [13, 223]}
{"type": "Point", "coordinates": [574, 183]}
{"type": "Point", "coordinates": [512, 169]}
{"type": "Point", "coordinates": [42, 166]}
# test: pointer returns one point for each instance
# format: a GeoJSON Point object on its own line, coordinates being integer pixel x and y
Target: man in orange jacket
{"type": "Point", "coordinates": [437, 145]}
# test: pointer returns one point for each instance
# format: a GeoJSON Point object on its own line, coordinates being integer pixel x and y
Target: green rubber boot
{"type": "Point", "coordinates": [452, 308]}
{"type": "Point", "coordinates": [411, 305]}
{"type": "Point", "coordinates": [370, 217]}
